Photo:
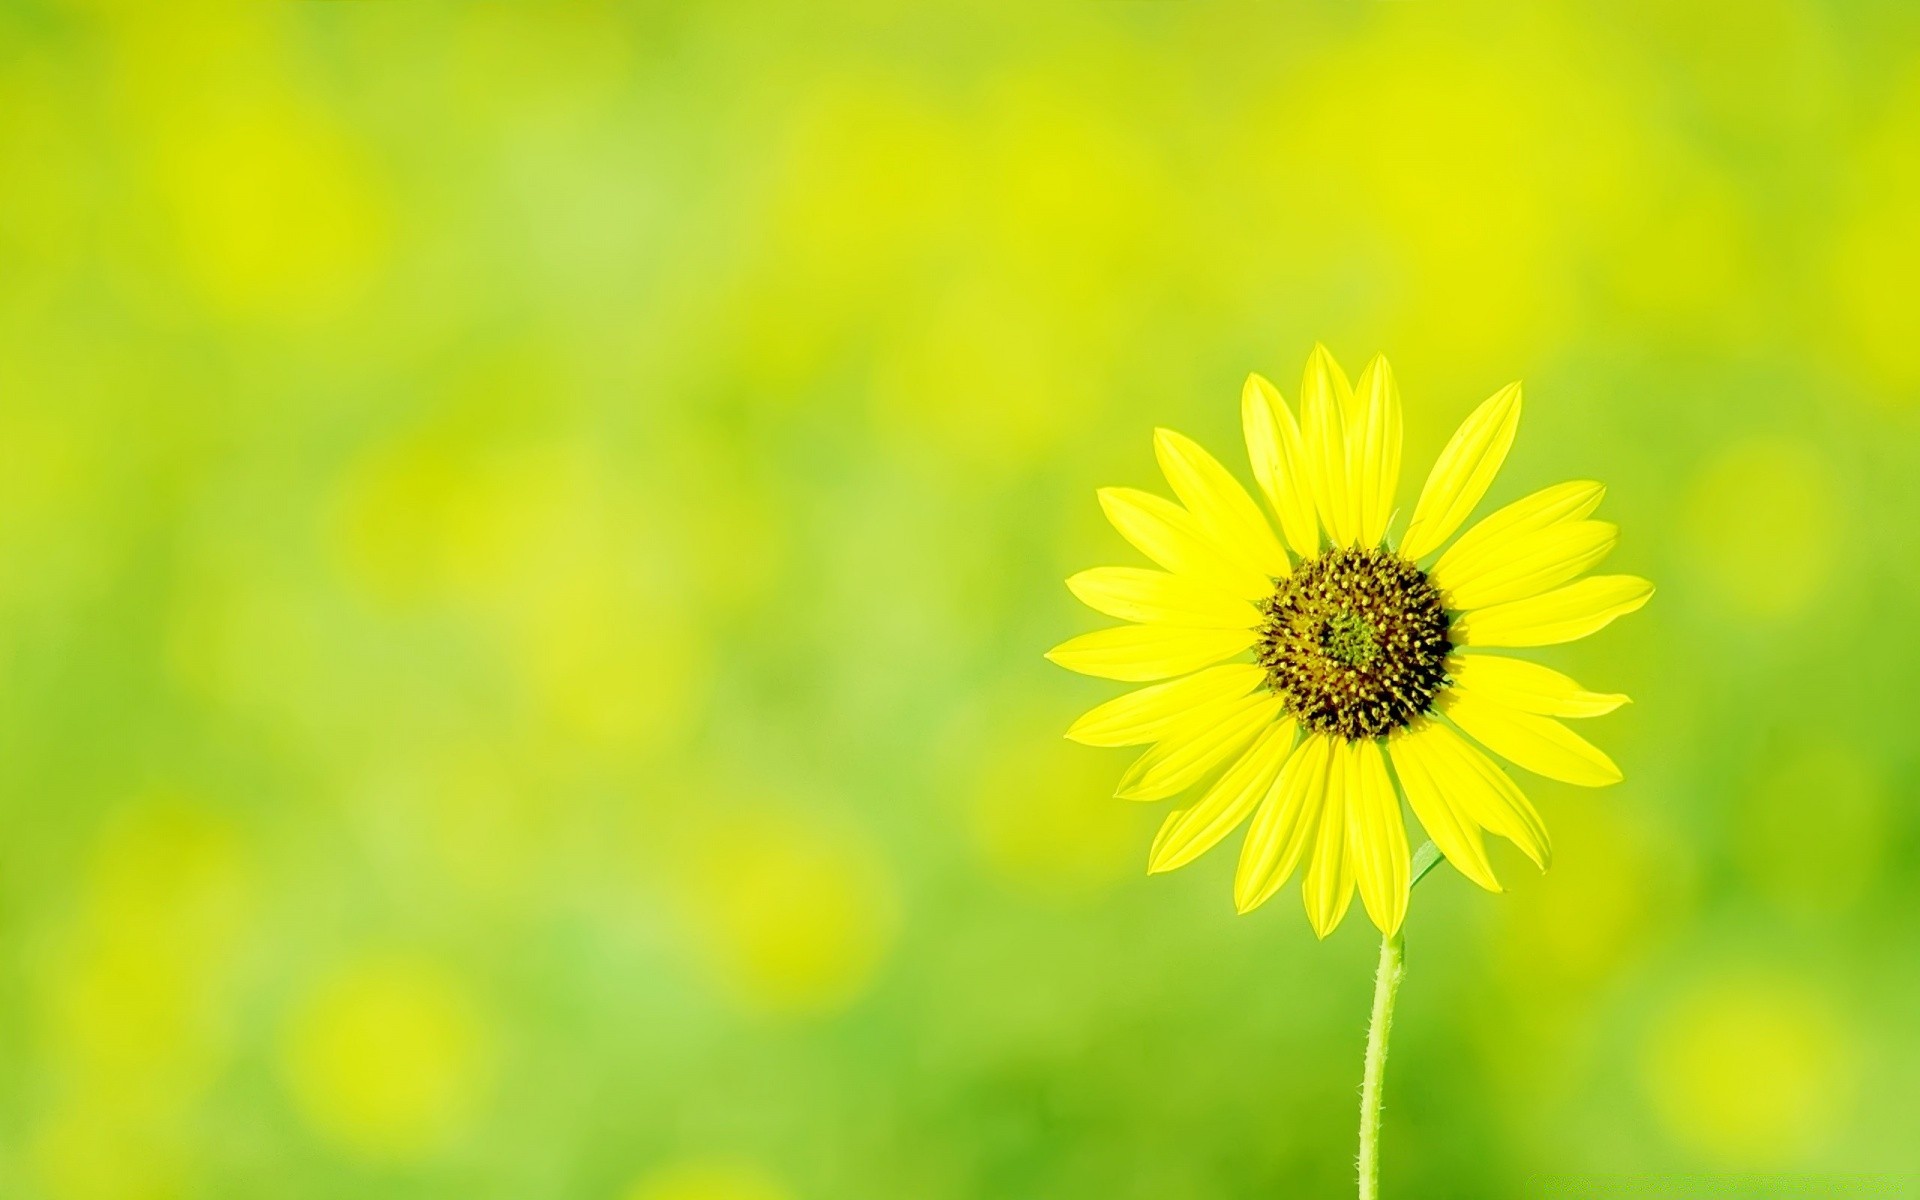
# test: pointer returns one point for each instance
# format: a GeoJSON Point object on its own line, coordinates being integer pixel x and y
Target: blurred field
{"type": "Point", "coordinates": [527, 534]}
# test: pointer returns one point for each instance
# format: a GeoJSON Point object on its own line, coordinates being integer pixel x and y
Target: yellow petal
{"type": "Point", "coordinates": [1169, 535]}
{"type": "Point", "coordinates": [1373, 449]}
{"type": "Point", "coordinates": [1522, 565]}
{"type": "Point", "coordinates": [1548, 506]}
{"type": "Point", "coordinates": [1279, 463]}
{"type": "Point", "coordinates": [1463, 472]}
{"type": "Point", "coordinates": [1528, 686]}
{"type": "Point", "coordinates": [1328, 888]}
{"type": "Point", "coordinates": [1478, 788]}
{"type": "Point", "coordinates": [1562, 615]}
{"type": "Point", "coordinates": [1325, 398]}
{"type": "Point", "coordinates": [1540, 744]}
{"type": "Point", "coordinates": [1196, 829]}
{"type": "Point", "coordinates": [1142, 716]}
{"type": "Point", "coordinates": [1455, 833]}
{"type": "Point", "coordinates": [1196, 745]}
{"type": "Point", "coordinates": [1155, 597]}
{"type": "Point", "coordinates": [1139, 653]}
{"type": "Point", "coordinates": [1229, 517]}
{"type": "Point", "coordinates": [1284, 824]}
{"type": "Point", "coordinates": [1376, 837]}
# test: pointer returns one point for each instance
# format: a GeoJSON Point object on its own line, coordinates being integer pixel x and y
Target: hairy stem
{"type": "Point", "coordinates": [1386, 985]}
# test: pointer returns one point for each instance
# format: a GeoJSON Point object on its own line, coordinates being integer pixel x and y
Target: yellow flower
{"type": "Point", "coordinates": [1318, 671]}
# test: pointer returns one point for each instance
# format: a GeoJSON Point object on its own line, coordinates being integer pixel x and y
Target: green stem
{"type": "Point", "coordinates": [1386, 985]}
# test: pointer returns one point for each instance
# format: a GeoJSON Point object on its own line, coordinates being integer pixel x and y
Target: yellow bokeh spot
{"type": "Point", "coordinates": [1762, 522]}
{"type": "Point", "coordinates": [794, 914]}
{"type": "Point", "coordinates": [558, 559]}
{"type": "Point", "coordinates": [1875, 257]}
{"type": "Point", "coordinates": [276, 213]}
{"type": "Point", "coordinates": [408, 520]}
{"type": "Point", "coordinates": [610, 664]}
{"type": "Point", "coordinates": [1875, 260]}
{"type": "Point", "coordinates": [1447, 225]}
{"type": "Point", "coordinates": [1751, 1072]}
{"type": "Point", "coordinates": [167, 905]}
{"type": "Point", "coordinates": [140, 1000]}
{"type": "Point", "coordinates": [708, 1181]}
{"type": "Point", "coordinates": [869, 170]}
{"type": "Point", "coordinates": [1044, 817]}
{"type": "Point", "coordinates": [1612, 887]}
{"type": "Point", "coordinates": [470, 506]}
{"type": "Point", "coordinates": [388, 1059]}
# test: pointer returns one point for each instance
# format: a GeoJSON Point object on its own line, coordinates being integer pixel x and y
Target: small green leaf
{"type": "Point", "coordinates": [1424, 860]}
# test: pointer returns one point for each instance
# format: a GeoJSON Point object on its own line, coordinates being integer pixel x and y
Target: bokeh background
{"type": "Point", "coordinates": [527, 534]}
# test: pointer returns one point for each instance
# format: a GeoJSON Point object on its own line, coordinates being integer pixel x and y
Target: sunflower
{"type": "Point", "coordinates": [1313, 676]}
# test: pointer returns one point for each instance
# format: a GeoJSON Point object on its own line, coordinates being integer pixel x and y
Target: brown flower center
{"type": "Point", "coordinates": [1356, 643]}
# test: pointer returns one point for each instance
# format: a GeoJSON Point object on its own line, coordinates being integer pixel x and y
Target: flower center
{"type": "Point", "coordinates": [1348, 639]}
{"type": "Point", "coordinates": [1355, 642]}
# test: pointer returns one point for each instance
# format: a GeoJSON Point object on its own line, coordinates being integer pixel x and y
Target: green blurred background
{"type": "Point", "coordinates": [527, 534]}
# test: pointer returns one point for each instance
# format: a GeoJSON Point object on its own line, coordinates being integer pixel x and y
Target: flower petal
{"type": "Point", "coordinates": [1563, 615]}
{"type": "Point", "coordinates": [1156, 597]}
{"type": "Point", "coordinates": [1142, 716]}
{"type": "Point", "coordinates": [1531, 513]}
{"type": "Point", "coordinates": [1376, 837]}
{"type": "Point", "coordinates": [1522, 565]}
{"type": "Point", "coordinates": [1328, 888]}
{"type": "Point", "coordinates": [1139, 653]}
{"type": "Point", "coordinates": [1373, 450]}
{"type": "Point", "coordinates": [1222, 507]}
{"type": "Point", "coordinates": [1478, 788]}
{"type": "Point", "coordinates": [1196, 745]}
{"type": "Point", "coordinates": [1325, 398]}
{"type": "Point", "coordinates": [1279, 463]}
{"type": "Point", "coordinates": [1455, 833]}
{"type": "Point", "coordinates": [1463, 472]}
{"type": "Point", "coordinates": [1196, 829]}
{"type": "Point", "coordinates": [1284, 824]}
{"type": "Point", "coordinates": [1528, 686]}
{"type": "Point", "coordinates": [1169, 535]}
{"type": "Point", "coordinates": [1540, 744]}
{"type": "Point", "coordinates": [1548, 506]}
